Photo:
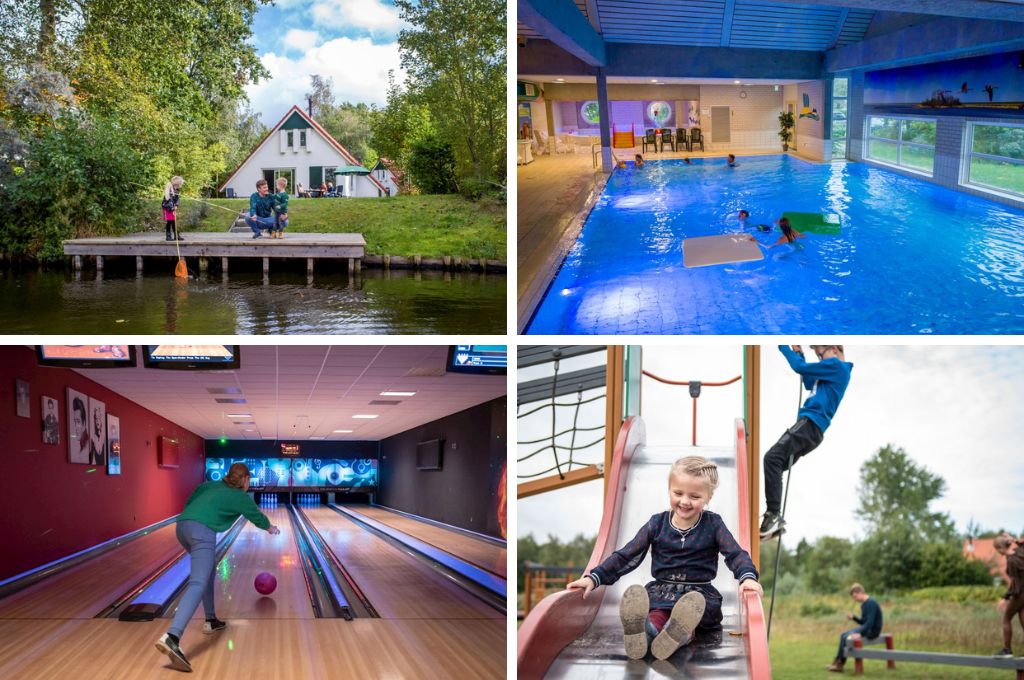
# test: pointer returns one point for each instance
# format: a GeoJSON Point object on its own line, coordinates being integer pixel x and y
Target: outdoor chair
{"type": "Point", "coordinates": [681, 140]}
{"type": "Point", "coordinates": [696, 138]}
{"type": "Point", "coordinates": [650, 138]}
{"type": "Point", "coordinates": [667, 138]}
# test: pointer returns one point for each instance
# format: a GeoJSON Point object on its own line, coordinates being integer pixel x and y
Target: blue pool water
{"type": "Point", "coordinates": [912, 257]}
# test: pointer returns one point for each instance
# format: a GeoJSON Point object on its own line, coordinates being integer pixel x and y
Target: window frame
{"type": "Point", "coordinates": [969, 153]}
{"type": "Point", "coordinates": [899, 142]}
{"type": "Point", "coordinates": [832, 122]}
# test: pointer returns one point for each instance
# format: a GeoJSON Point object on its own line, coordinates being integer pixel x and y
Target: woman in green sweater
{"type": "Point", "coordinates": [212, 507]}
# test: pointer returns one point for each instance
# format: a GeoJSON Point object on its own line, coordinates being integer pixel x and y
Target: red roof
{"type": "Point", "coordinates": [982, 549]}
{"type": "Point", "coordinates": [344, 152]}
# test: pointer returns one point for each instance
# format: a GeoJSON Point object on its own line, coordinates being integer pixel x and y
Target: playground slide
{"type": "Point", "coordinates": [568, 637]}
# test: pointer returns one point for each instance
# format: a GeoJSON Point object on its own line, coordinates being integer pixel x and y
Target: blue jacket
{"type": "Point", "coordinates": [827, 381]}
{"type": "Point", "coordinates": [261, 206]}
{"type": "Point", "coordinates": [870, 618]}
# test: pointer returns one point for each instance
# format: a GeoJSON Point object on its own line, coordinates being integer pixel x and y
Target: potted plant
{"type": "Point", "coordinates": [786, 123]}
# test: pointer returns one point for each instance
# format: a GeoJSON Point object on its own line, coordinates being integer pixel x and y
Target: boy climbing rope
{"type": "Point", "coordinates": [827, 380]}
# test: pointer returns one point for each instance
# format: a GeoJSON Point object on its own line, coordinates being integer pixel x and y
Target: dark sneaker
{"type": "Point", "coordinates": [679, 629]}
{"type": "Point", "coordinates": [168, 645]}
{"type": "Point", "coordinates": [633, 610]}
{"type": "Point", "coordinates": [170, 237]}
{"type": "Point", "coordinates": [772, 525]}
{"type": "Point", "coordinates": [1003, 653]}
{"type": "Point", "coordinates": [256, 235]}
{"type": "Point", "coordinates": [180, 237]}
{"type": "Point", "coordinates": [836, 666]}
{"type": "Point", "coordinates": [213, 625]}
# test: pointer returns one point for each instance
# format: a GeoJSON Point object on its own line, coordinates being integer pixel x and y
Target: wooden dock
{"type": "Point", "coordinates": [223, 245]}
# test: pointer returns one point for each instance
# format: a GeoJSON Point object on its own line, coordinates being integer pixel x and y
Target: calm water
{"type": "Point", "coordinates": [912, 257]}
{"type": "Point", "coordinates": [377, 302]}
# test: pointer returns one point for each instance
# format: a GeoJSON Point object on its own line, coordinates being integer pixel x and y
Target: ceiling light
{"type": "Point", "coordinates": [735, 82]}
{"type": "Point", "coordinates": [249, 430]}
{"type": "Point", "coordinates": [397, 394]}
{"type": "Point", "coordinates": [364, 416]}
{"type": "Point", "coordinates": [343, 431]}
{"type": "Point", "coordinates": [316, 437]}
{"type": "Point", "coordinates": [654, 80]}
{"type": "Point", "coordinates": [239, 415]}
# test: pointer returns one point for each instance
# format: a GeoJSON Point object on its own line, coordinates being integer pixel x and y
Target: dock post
{"type": "Point", "coordinates": [351, 266]}
{"type": "Point", "coordinates": [266, 266]}
{"type": "Point", "coordinates": [483, 264]}
{"type": "Point", "coordinates": [359, 265]}
{"type": "Point", "coordinates": [224, 265]}
{"type": "Point", "coordinates": [204, 265]}
{"type": "Point", "coordinates": [77, 263]}
{"type": "Point", "coordinates": [309, 266]}
{"type": "Point", "coordinates": [138, 265]}
{"type": "Point", "coordinates": [99, 263]}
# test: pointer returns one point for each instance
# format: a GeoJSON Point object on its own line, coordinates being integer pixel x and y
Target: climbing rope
{"type": "Point", "coordinates": [782, 519]}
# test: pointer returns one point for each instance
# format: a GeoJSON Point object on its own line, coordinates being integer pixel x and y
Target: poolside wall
{"type": "Point", "coordinates": [950, 134]}
{"type": "Point", "coordinates": [754, 123]}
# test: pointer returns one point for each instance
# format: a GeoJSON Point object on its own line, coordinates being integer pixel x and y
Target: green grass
{"type": "Point", "coordinates": [430, 226]}
{"type": "Point", "coordinates": [1004, 176]}
{"type": "Point", "coordinates": [806, 628]}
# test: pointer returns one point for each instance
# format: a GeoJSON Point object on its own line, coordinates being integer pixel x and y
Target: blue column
{"type": "Point", "coordinates": [605, 113]}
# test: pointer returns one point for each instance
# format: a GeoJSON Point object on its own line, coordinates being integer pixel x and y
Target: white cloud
{"type": "Point", "coordinates": [371, 15]}
{"type": "Point", "coordinates": [358, 68]}
{"type": "Point", "coordinates": [301, 40]}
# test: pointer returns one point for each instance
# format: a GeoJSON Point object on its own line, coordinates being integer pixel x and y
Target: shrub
{"type": "Point", "coordinates": [432, 166]}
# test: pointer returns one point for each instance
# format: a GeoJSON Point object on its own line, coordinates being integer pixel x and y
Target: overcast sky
{"type": "Point", "coordinates": [353, 42]}
{"type": "Point", "coordinates": [955, 410]}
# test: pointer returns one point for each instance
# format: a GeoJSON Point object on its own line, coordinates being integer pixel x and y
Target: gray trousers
{"type": "Point", "coordinates": [201, 543]}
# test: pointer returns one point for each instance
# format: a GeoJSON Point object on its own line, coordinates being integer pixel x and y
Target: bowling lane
{"type": "Point", "coordinates": [398, 585]}
{"type": "Point", "coordinates": [256, 551]}
{"type": "Point", "coordinates": [479, 552]}
{"type": "Point", "coordinates": [87, 588]}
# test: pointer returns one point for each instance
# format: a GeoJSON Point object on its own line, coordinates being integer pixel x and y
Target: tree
{"type": "Point", "coordinates": [320, 96]}
{"type": "Point", "coordinates": [944, 564]}
{"type": "Point", "coordinates": [432, 166]}
{"type": "Point", "coordinates": [895, 490]}
{"type": "Point", "coordinates": [890, 558]}
{"type": "Point", "coordinates": [454, 54]}
{"type": "Point", "coordinates": [400, 124]}
{"type": "Point", "coordinates": [350, 125]}
{"type": "Point", "coordinates": [827, 565]}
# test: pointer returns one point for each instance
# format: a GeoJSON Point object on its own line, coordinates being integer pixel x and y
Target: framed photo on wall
{"type": "Point", "coordinates": [79, 441]}
{"type": "Point", "coordinates": [21, 399]}
{"type": "Point", "coordinates": [50, 411]}
{"type": "Point", "coordinates": [113, 445]}
{"type": "Point", "coordinates": [97, 432]}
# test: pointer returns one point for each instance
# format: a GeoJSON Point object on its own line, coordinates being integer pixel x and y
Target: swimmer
{"type": "Point", "coordinates": [744, 215]}
{"type": "Point", "coordinates": [687, 161]}
{"type": "Point", "coordinates": [732, 160]}
{"type": "Point", "coordinates": [639, 161]}
{"type": "Point", "coordinates": [789, 234]}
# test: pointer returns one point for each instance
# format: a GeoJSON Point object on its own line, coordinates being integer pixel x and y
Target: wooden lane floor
{"type": "Point", "coordinates": [86, 589]}
{"type": "Point", "coordinates": [484, 554]}
{"type": "Point", "coordinates": [398, 585]}
{"type": "Point", "coordinates": [255, 551]}
{"type": "Point", "coordinates": [257, 649]}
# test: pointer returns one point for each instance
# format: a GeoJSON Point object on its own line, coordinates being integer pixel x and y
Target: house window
{"type": "Point", "coordinates": [840, 108]}
{"type": "Point", "coordinates": [905, 142]}
{"type": "Point", "coordinates": [995, 157]}
{"type": "Point", "coordinates": [302, 139]}
{"type": "Point", "coordinates": [291, 139]}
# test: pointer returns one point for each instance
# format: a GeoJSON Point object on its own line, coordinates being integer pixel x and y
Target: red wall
{"type": "Point", "coordinates": [49, 507]}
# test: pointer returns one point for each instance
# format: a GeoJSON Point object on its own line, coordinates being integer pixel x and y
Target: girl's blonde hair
{"type": "Point", "coordinates": [697, 466]}
{"type": "Point", "coordinates": [175, 183]}
{"type": "Point", "coordinates": [238, 473]}
{"type": "Point", "coordinates": [1003, 541]}
{"type": "Point", "coordinates": [281, 180]}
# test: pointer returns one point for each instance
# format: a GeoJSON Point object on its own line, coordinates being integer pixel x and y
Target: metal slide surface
{"type": "Point", "coordinates": [599, 653]}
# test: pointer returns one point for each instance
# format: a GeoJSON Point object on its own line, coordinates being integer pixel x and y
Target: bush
{"type": "Point", "coordinates": [944, 564]}
{"type": "Point", "coordinates": [432, 166]}
{"type": "Point", "coordinates": [961, 594]}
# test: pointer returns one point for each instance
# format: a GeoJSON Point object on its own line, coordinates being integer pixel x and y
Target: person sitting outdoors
{"type": "Point", "coordinates": [330, 189]}
{"type": "Point", "coordinates": [261, 210]}
{"type": "Point", "coordinates": [323, 188]}
{"type": "Point", "coordinates": [870, 627]}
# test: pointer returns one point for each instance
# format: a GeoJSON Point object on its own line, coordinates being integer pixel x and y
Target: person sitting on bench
{"type": "Point", "coordinates": [870, 621]}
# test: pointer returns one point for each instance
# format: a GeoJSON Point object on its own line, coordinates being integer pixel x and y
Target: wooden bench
{"type": "Point", "coordinates": [855, 648]}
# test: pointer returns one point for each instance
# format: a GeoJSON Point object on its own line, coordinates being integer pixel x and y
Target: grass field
{"type": "Point", "coordinates": [806, 628]}
{"type": "Point", "coordinates": [430, 226]}
{"type": "Point", "coordinates": [1008, 177]}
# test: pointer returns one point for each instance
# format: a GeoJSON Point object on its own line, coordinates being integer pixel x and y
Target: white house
{"type": "Point", "coordinates": [298, 149]}
{"type": "Point", "coordinates": [385, 173]}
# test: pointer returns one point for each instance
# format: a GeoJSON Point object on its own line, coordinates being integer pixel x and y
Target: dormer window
{"type": "Point", "coordinates": [291, 139]}
{"type": "Point", "coordinates": [302, 139]}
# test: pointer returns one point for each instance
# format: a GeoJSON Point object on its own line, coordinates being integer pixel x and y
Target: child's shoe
{"type": "Point", "coordinates": [679, 629]}
{"type": "Point", "coordinates": [633, 610]}
{"type": "Point", "coordinates": [168, 645]}
{"type": "Point", "coordinates": [1003, 653]}
{"type": "Point", "coordinates": [836, 666]}
{"type": "Point", "coordinates": [211, 626]}
{"type": "Point", "coordinates": [772, 525]}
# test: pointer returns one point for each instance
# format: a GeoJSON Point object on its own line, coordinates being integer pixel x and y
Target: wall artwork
{"type": "Point", "coordinates": [79, 442]}
{"type": "Point", "coordinates": [21, 402]}
{"type": "Point", "coordinates": [113, 445]}
{"type": "Point", "coordinates": [97, 432]}
{"type": "Point", "coordinates": [50, 410]}
{"type": "Point", "coordinates": [807, 111]}
{"type": "Point", "coordinates": [992, 83]}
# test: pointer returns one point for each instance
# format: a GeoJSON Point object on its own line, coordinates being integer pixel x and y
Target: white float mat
{"type": "Point", "coordinates": [703, 251]}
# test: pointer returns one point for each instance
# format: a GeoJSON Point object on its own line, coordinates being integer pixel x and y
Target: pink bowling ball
{"type": "Point", "coordinates": [265, 583]}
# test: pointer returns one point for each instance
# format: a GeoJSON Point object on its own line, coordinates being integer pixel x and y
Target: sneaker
{"type": "Point", "coordinates": [180, 237]}
{"type": "Point", "coordinates": [1003, 653]}
{"type": "Point", "coordinates": [170, 237]}
{"type": "Point", "coordinates": [213, 625]}
{"type": "Point", "coordinates": [836, 666]}
{"type": "Point", "coordinates": [772, 525]}
{"type": "Point", "coordinates": [256, 235]}
{"type": "Point", "coordinates": [633, 610]}
{"type": "Point", "coordinates": [680, 627]}
{"type": "Point", "coordinates": [168, 645]}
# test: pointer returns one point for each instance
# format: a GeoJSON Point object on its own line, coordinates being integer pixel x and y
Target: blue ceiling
{"type": "Point", "coordinates": [724, 23]}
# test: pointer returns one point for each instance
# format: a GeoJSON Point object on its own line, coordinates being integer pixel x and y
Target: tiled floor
{"type": "Point", "coordinates": [555, 194]}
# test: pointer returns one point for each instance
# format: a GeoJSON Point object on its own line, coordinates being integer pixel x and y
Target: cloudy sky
{"type": "Point", "coordinates": [954, 410]}
{"type": "Point", "coordinates": [354, 42]}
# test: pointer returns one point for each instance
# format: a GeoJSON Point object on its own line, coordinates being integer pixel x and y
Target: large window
{"type": "Point", "coordinates": [995, 158]}
{"type": "Point", "coordinates": [840, 109]}
{"type": "Point", "coordinates": [906, 142]}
